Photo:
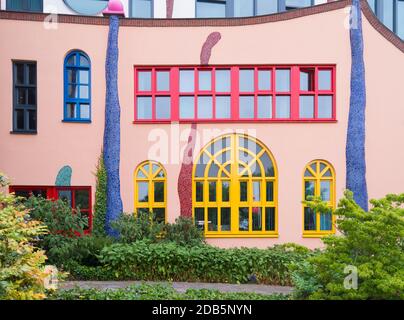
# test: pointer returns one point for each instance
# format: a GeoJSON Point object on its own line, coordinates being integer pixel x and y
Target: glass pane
{"type": "Point", "coordinates": [84, 76]}
{"type": "Point", "coordinates": [212, 191]}
{"type": "Point", "coordinates": [32, 74]}
{"type": "Point", "coordinates": [205, 80]}
{"type": "Point", "coordinates": [400, 19]}
{"type": "Point", "coordinates": [212, 219]}
{"type": "Point", "coordinates": [32, 119]}
{"type": "Point", "coordinates": [71, 110]}
{"type": "Point", "coordinates": [326, 221]}
{"type": "Point", "coordinates": [205, 107]}
{"type": "Point", "coordinates": [32, 96]}
{"type": "Point", "coordinates": [313, 166]}
{"type": "Point", "coordinates": [65, 195]}
{"type": "Point", "coordinates": [269, 219]}
{"type": "Point", "coordinates": [269, 191]}
{"type": "Point", "coordinates": [309, 189]}
{"type": "Point", "coordinates": [199, 191]}
{"type": "Point", "coordinates": [72, 60]}
{"type": "Point", "coordinates": [144, 107]}
{"type": "Point", "coordinates": [159, 215]}
{"type": "Point", "coordinates": [225, 219]}
{"type": "Point", "coordinates": [223, 107]}
{"type": "Point", "coordinates": [387, 13]}
{"type": "Point", "coordinates": [159, 191]}
{"type": "Point", "coordinates": [216, 9]}
{"type": "Point", "coordinates": [327, 173]}
{"type": "Point", "coordinates": [282, 107]}
{"type": "Point", "coordinates": [199, 218]}
{"type": "Point", "coordinates": [73, 92]}
{"type": "Point", "coordinates": [225, 191]}
{"type": "Point", "coordinates": [282, 80]}
{"type": "Point", "coordinates": [163, 107]}
{"type": "Point", "coordinates": [309, 219]}
{"type": "Point", "coordinates": [246, 107]}
{"type": "Point", "coordinates": [19, 67]}
{"type": "Point", "coordinates": [140, 174]}
{"type": "Point", "coordinates": [144, 79]}
{"type": "Point", "coordinates": [256, 219]}
{"type": "Point", "coordinates": [201, 165]}
{"type": "Point", "coordinates": [187, 81]}
{"type": "Point", "coordinates": [246, 81]}
{"type": "Point", "coordinates": [163, 80]}
{"type": "Point", "coordinates": [268, 165]}
{"type": "Point", "coordinates": [325, 190]}
{"type": "Point", "coordinates": [306, 107]}
{"type": "Point", "coordinates": [213, 170]}
{"type": "Point", "coordinates": [141, 9]}
{"type": "Point", "coordinates": [324, 107]}
{"type": "Point", "coordinates": [243, 190]}
{"type": "Point", "coordinates": [146, 168]}
{"type": "Point", "coordinates": [307, 173]}
{"type": "Point", "coordinates": [324, 80]}
{"type": "Point", "coordinates": [84, 111]}
{"type": "Point", "coordinates": [143, 191]}
{"type": "Point", "coordinates": [187, 107]}
{"type": "Point", "coordinates": [20, 119]}
{"type": "Point", "coordinates": [243, 8]}
{"type": "Point", "coordinates": [84, 61]}
{"type": "Point", "coordinates": [264, 80]}
{"type": "Point", "coordinates": [72, 76]}
{"type": "Point", "coordinates": [293, 4]}
{"type": "Point", "coordinates": [264, 107]}
{"type": "Point", "coordinates": [82, 198]}
{"type": "Point", "coordinates": [243, 219]}
{"type": "Point", "coordinates": [266, 7]}
{"type": "Point", "coordinates": [223, 80]}
{"type": "Point", "coordinates": [256, 190]}
{"type": "Point", "coordinates": [21, 96]}
{"type": "Point", "coordinates": [249, 144]}
{"type": "Point", "coordinates": [306, 80]}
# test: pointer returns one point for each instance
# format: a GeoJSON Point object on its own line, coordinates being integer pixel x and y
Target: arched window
{"type": "Point", "coordinates": [318, 180]}
{"type": "Point", "coordinates": [151, 189]}
{"type": "Point", "coordinates": [235, 188]}
{"type": "Point", "coordinates": [77, 87]}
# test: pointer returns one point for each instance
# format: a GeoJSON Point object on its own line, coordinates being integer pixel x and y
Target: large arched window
{"type": "Point", "coordinates": [235, 188]}
{"type": "Point", "coordinates": [77, 87]}
{"type": "Point", "coordinates": [319, 181]}
{"type": "Point", "coordinates": [151, 189]}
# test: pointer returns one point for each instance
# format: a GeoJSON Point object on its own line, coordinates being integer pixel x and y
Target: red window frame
{"type": "Point", "coordinates": [52, 194]}
{"type": "Point", "coordinates": [294, 93]}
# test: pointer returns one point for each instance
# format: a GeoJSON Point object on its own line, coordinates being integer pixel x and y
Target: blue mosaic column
{"type": "Point", "coordinates": [112, 139]}
{"type": "Point", "coordinates": [355, 147]}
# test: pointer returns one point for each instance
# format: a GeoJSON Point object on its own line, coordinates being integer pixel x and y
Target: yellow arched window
{"type": "Point", "coordinates": [319, 181]}
{"type": "Point", "coordinates": [151, 189]}
{"type": "Point", "coordinates": [235, 188]}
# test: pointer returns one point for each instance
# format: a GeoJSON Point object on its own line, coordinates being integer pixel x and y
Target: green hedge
{"type": "Point", "coordinates": [157, 292]}
{"type": "Point", "coordinates": [171, 262]}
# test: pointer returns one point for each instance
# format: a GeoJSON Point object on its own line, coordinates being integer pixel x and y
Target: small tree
{"type": "Point", "coordinates": [100, 206]}
{"type": "Point", "coordinates": [21, 263]}
{"type": "Point", "coordinates": [371, 243]}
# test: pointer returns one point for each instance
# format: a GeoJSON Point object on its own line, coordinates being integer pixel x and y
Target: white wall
{"type": "Point", "coordinates": [3, 4]}
{"type": "Point", "coordinates": [184, 9]}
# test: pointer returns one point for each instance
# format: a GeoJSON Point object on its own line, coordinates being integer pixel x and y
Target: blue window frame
{"type": "Point", "coordinates": [141, 8]}
{"type": "Point", "coordinates": [77, 87]}
{"type": "Point", "coordinates": [390, 13]}
{"type": "Point", "coordinates": [211, 9]}
{"type": "Point", "coordinates": [25, 5]}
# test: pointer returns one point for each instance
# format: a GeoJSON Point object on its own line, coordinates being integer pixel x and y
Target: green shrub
{"type": "Point", "coordinates": [158, 292]}
{"type": "Point", "coordinates": [370, 241]}
{"type": "Point", "coordinates": [169, 261]}
{"type": "Point", "coordinates": [183, 232]}
{"type": "Point", "coordinates": [100, 206]}
{"type": "Point", "coordinates": [21, 263]}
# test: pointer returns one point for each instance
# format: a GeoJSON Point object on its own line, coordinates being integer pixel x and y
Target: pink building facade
{"type": "Point", "coordinates": [269, 99]}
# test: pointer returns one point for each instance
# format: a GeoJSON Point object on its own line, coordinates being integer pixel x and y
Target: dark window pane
{"type": "Point", "coordinates": [19, 67]}
{"type": "Point", "coordinates": [143, 191]}
{"type": "Point", "coordinates": [32, 119]}
{"type": "Point", "coordinates": [72, 76]}
{"type": "Point", "coordinates": [326, 221]}
{"type": "Point", "coordinates": [213, 170]}
{"type": "Point", "coordinates": [65, 195]}
{"type": "Point", "coordinates": [293, 4]}
{"type": "Point", "coordinates": [225, 191]}
{"type": "Point", "coordinates": [225, 219]}
{"type": "Point", "coordinates": [23, 193]}
{"type": "Point", "coordinates": [243, 8]}
{"type": "Point", "coordinates": [243, 190]}
{"type": "Point", "coordinates": [159, 215]}
{"type": "Point", "coordinates": [21, 96]}
{"type": "Point", "coordinates": [212, 191]}
{"type": "Point", "coordinates": [20, 119]}
{"type": "Point", "coordinates": [257, 219]}
{"type": "Point", "coordinates": [309, 189]}
{"type": "Point", "coordinates": [307, 80]}
{"type": "Point", "coordinates": [71, 110]}
{"type": "Point", "coordinates": [82, 198]}
{"type": "Point", "coordinates": [211, 9]}
{"type": "Point", "coordinates": [32, 74]}
{"type": "Point", "coordinates": [159, 191]}
{"type": "Point", "coordinates": [269, 191]}
{"type": "Point", "coordinates": [268, 165]}
{"type": "Point", "coordinates": [309, 219]}
{"type": "Point", "coordinates": [243, 222]}
{"type": "Point", "coordinates": [269, 219]}
{"type": "Point", "coordinates": [199, 218]}
{"type": "Point", "coordinates": [199, 191]}
{"type": "Point", "coordinates": [84, 61]}
{"type": "Point", "coordinates": [72, 60]}
{"type": "Point", "coordinates": [73, 92]}
{"type": "Point", "coordinates": [32, 96]}
{"type": "Point", "coordinates": [212, 219]}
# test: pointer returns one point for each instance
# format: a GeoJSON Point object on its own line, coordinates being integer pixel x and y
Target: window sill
{"type": "Point", "coordinates": [318, 235]}
{"type": "Point", "coordinates": [312, 121]}
{"type": "Point", "coordinates": [30, 133]}
{"type": "Point", "coordinates": [238, 235]}
{"type": "Point", "coordinates": [76, 121]}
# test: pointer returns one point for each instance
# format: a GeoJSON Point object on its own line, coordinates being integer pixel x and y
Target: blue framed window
{"type": "Point", "coordinates": [211, 8]}
{"type": "Point", "coordinates": [141, 9]}
{"type": "Point", "coordinates": [390, 13]}
{"type": "Point", "coordinates": [25, 5]}
{"type": "Point", "coordinates": [77, 87]}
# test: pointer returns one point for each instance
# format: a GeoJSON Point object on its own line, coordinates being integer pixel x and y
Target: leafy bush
{"type": "Point", "coordinates": [169, 261]}
{"type": "Point", "coordinates": [100, 206]}
{"type": "Point", "coordinates": [183, 232]}
{"type": "Point", "coordinates": [158, 292]}
{"type": "Point", "coordinates": [370, 241]}
{"type": "Point", "coordinates": [21, 263]}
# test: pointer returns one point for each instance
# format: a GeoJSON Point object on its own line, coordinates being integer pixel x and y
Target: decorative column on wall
{"type": "Point", "coordinates": [169, 8]}
{"type": "Point", "coordinates": [112, 139]}
{"type": "Point", "coordinates": [185, 176]}
{"type": "Point", "coordinates": [355, 147]}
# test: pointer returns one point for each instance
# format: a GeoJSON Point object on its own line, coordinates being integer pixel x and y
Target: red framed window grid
{"type": "Point", "coordinates": [235, 93]}
{"type": "Point", "coordinates": [51, 193]}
